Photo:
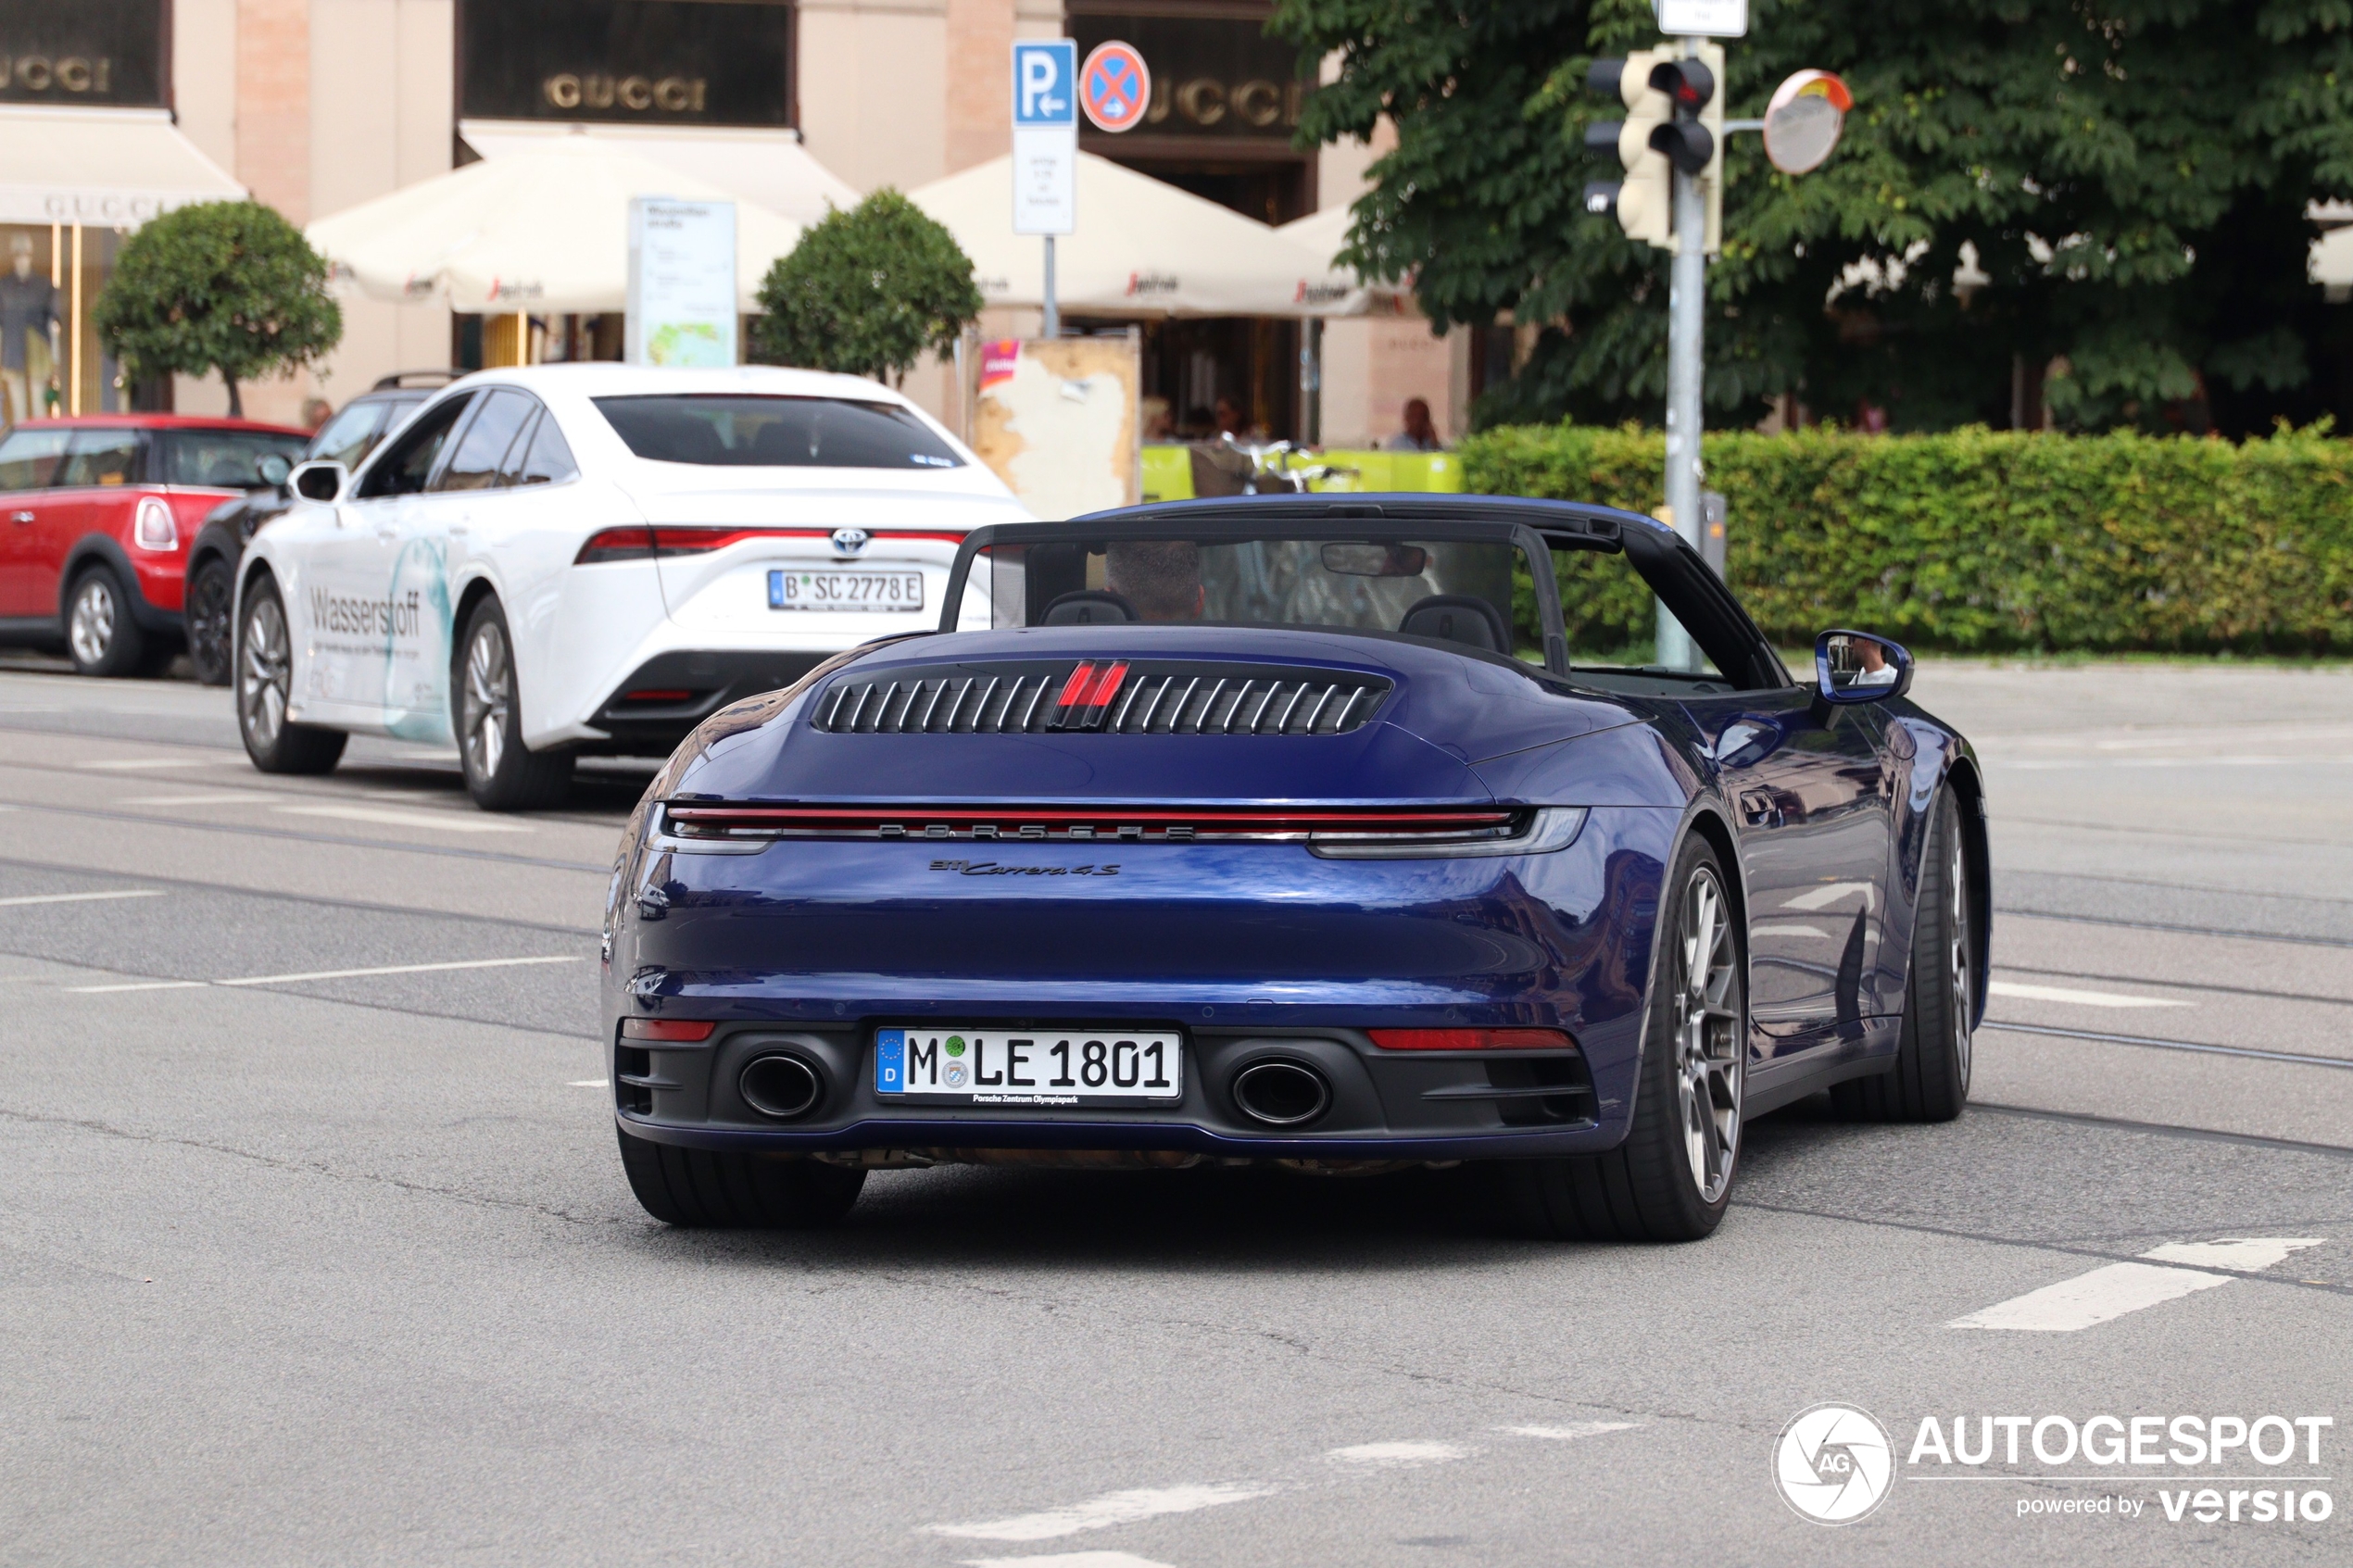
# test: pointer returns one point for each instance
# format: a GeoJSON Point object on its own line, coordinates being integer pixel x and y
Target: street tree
{"type": "Point", "coordinates": [222, 287]}
{"type": "Point", "coordinates": [867, 292]}
{"type": "Point", "coordinates": [2121, 190]}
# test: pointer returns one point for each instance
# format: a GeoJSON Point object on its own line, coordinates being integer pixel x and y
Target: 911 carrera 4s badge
{"type": "Point", "coordinates": [974, 1066]}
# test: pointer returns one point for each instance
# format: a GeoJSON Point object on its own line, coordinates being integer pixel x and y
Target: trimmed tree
{"type": "Point", "coordinates": [226, 287]}
{"type": "Point", "coordinates": [866, 293]}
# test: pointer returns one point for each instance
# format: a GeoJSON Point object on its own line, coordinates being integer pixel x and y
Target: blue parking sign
{"type": "Point", "coordinates": [1046, 83]}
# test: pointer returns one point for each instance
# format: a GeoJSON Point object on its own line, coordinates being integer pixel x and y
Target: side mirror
{"type": "Point", "coordinates": [273, 467]}
{"type": "Point", "coordinates": [1858, 667]}
{"type": "Point", "coordinates": [320, 482]}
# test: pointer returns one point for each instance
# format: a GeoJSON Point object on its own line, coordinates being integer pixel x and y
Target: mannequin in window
{"type": "Point", "coordinates": [28, 309]}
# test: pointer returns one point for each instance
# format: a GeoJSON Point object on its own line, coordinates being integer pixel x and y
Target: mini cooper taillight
{"type": "Point", "coordinates": [153, 527]}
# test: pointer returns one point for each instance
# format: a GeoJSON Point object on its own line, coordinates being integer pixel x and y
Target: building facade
{"type": "Point", "coordinates": [317, 105]}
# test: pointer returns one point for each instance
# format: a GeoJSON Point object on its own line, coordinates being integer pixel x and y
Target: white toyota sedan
{"type": "Point", "coordinates": [572, 558]}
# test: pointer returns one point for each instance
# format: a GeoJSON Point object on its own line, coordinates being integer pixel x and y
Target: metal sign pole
{"type": "Point", "coordinates": [1054, 312]}
{"type": "Point", "coordinates": [1685, 369]}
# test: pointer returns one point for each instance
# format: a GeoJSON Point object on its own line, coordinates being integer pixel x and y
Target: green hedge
{"type": "Point", "coordinates": [1983, 540]}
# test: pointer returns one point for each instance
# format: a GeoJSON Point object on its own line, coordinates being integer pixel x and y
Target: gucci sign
{"type": "Point", "coordinates": [642, 94]}
{"type": "Point", "coordinates": [39, 73]}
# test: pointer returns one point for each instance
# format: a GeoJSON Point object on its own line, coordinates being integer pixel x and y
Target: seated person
{"type": "Point", "coordinates": [1876, 669]}
{"type": "Point", "coordinates": [1159, 577]}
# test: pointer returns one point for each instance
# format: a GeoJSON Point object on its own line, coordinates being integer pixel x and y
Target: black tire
{"type": "Point", "coordinates": [1930, 1079]}
{"type": "Point", "coordinates": [695, 1187]}
{"type": "Point", "coordinates": [486, 703]}
{"type": "Point", "coordinates": [210, 611]}
{"type": "Point", "coordinates": [262, 660]}
{"type": "Point", "coordinates": [102, 635]}
{"type": "Point", "coordinates": [1646, 1189]}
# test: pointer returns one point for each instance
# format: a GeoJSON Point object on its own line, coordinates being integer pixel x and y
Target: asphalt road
{"type": "Point", "coordinates": [314, 1246]}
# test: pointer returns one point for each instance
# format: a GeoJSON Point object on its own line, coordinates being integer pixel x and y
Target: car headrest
{"type": "Point", "coordinates": [1090, 607]}
{"type": "Point", "coordinates": [1458, 618]}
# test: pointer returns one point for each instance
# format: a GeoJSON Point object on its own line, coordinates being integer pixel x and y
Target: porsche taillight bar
{"type": "Point", "coordinates": [1380, 824]}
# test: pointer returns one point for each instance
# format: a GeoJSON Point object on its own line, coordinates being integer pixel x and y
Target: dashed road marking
{"type": "Point", "coordinates": [82, 897]}
{"type": "Point", "coordinates": [2026, 992]}
{"type": "Point", "coordinates": [207, 797]}
{"type": "Point", "coordinates": [2111, 1291]}
{"type": "Point", "coordinates": [1400, 1456]}
{"type": "Point", "coordinates": [140, 763]}
{"type": "Point", "coordinates": [589, 1083]}
{"type": "Point", "coordinates": [1067, 1560]}
{"type": "Point", "coordinates": [1112, 1507]}
{"type": "Point", "coordinates": [325, 974]}
{"type": "Point", "coordinates": [1569, 1433]}
{"type": "Point", "coordinates": [447, 822]}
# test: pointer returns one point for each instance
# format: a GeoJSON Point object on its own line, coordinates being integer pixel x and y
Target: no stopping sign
{"type": "Point", "coordinates": [1114, 86]}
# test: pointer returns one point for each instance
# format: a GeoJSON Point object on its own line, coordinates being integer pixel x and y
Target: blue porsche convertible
{"type": "Point", "coordinates": [1342, 833]}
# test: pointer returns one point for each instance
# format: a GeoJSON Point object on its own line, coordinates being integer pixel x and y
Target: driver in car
{"type": "Point", "coordinates": [1159, 577]}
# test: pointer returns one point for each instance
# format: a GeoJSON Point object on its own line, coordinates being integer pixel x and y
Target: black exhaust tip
{"type": "Point", "coordinates": [1281, 1092]}
{"type": "Point", "coordinates": [781, 1086]}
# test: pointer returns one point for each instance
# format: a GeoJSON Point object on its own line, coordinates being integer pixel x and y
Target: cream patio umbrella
{"type": "Point", "coordinates": [1323, 233]}
{"type": "Point", "coordinates": [1142, 247]}
{"type": "Point", "coordinates": [538, 229]}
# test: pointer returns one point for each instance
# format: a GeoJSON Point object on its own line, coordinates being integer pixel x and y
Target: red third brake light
{"type": "Point", "coordinates": [1472, 1040]}
{"type": "Point", "coordinates": [682, 1029]}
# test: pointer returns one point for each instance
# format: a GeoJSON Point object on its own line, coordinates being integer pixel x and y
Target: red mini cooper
{"type": "Point", "coordinates": [96, 513]}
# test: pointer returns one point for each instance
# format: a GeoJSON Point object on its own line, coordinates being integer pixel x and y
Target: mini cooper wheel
{"type": "Point", "coordinates": [263, 658]}
{"type": "Point", "coordinates": [1930, 1079]}
{"type": "Point", "coordinates": [1672, 1177]}
{"type": "Point", "coordinates": [698, 1187]}
{"type": "Point", "coordinates": [210, 611]}
{"type": "Point", "coordinates": [101, 635]}
{"type": "Point", "coordinates": [502, 774]}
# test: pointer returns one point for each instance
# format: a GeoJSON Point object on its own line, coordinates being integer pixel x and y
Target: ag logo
{"type": "Point", "coordinates": [849, 541]}
{"type": "Point", "coordinates": [1833, 1464]}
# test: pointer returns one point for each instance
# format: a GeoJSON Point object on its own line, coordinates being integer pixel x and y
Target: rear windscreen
{"type": "Point", "coordinates": [224, 460]}
{"type": "Point", "coordinates": [727, 430]}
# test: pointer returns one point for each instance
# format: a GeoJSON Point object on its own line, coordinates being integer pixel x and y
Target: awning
{"type": "Point", "coordinates": [111, 168]}
{"type": "Point", "coordinates": [1142, 247]}
{"type": "Point", "coordinates": [545, 229]}
{"type": "Point", "coordinates": [769, 168]}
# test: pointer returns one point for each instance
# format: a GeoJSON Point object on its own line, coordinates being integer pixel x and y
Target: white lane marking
{"type": "Point", "coordinates": [2110, 1292]}
{"type": "Point", "coordinates": [1067, 1560]}
{"type": "Point", "coordinates": [82, 898]}
{"type": "Point", "coordinates": [1400, 1456]}
{"type": "Point", "coordinates": [2313, 762]}
{"type": "Point", "coordinates": [2086, 1300]}
{"type": "Point", "coordinates": [210, 797]}
{"type": "Point", "coordinates": [589, 1083]}
{"type": "Point", "coordinates": [2081, 998]}
{"type": "Point", "coordinates": [1096, 1513]}
{"type": "Point", "coordinates": [143, 762]}
{"type": "Point", "coordinates": [321, 974]}
{"type": "Point", "coordinates": [1783, 929]}
{"type": "Point", "coordinates": [1823, 897]}
{"type": "Point", "coordinates": [447, 822]}
{"type": "Point", "coordinates": [1571, 1432]}
{"type": "Point", "coordinates": [2246, 1254]}
{"type": "Point", "coordinates": [396, 968]}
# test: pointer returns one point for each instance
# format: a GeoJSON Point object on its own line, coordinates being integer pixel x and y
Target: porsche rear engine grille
{"type": "Point", "coordinates": [1109, 696]}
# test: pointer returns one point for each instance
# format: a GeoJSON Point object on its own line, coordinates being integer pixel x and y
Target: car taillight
{"type": "Point", "coordinates": [685, 1030]}
{"type": "Point", "coordinates": [644, 544]}
{"type": "Point", "coordinates": [154, 527]}
{"type": "Point", "coordinates": [1472, 1040]}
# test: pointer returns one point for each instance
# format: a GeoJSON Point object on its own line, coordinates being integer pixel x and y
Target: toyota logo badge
{"type": "Point", "coordinates": [849, 541]}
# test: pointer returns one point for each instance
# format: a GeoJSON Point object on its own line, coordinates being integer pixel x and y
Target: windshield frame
{"type": "Point", "coordinates": [1343, 523]}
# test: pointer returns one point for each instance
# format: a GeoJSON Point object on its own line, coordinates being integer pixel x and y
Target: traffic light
{"type": "Point", "coordinates": [1674, 120]}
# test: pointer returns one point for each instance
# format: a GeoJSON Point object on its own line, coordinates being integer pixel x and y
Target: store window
{"type": "Point", "coordinates": [634, 62]}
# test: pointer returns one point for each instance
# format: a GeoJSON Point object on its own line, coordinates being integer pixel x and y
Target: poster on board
{"type": "Point", "coordinates": [682, 282]}
{"type": "Point", "coordinates": [1055, 418]}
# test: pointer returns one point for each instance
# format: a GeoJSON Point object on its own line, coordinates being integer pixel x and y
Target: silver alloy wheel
{"type": "Point", "coordinates": [89, 624]}
{"type": "Point", "coordinates": [1956, 882]}
{"type": "Point", "coordinates": [483, 707]}
{"type": "Point", "coordinates": [1709, 1048]}
{"type": "Point", "coordinates": [264, 679]}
